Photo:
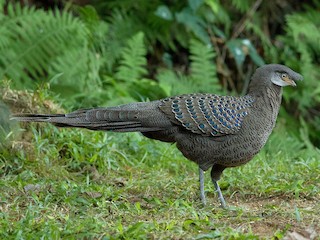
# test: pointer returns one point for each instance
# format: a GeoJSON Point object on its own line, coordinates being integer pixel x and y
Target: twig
{"type": "Point", "coordinates": [241, 25]}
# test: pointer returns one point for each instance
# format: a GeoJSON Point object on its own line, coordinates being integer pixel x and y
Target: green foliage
{"type": "Point", "coordinates": [202, 64]}
{"type": "Point", "coordinates": [133, 60]}
{"type": "Point", "coordinates": [243, 6]}
{"type": "Point", "coordinates": [5, 125]}
{"type": "Point", "coordinates": [202, 77]}
{"type": "Point", "coordinates": [302, 39]}
{"type": "Point", "coordinates": [36, 45]}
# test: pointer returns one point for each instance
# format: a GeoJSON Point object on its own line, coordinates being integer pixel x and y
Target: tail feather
{"type": "Point", "coordinates": [119, 119]}
{"type": "Point", "coordinates": [35, 117]}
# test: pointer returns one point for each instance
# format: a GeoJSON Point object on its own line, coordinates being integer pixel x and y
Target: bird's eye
{"type": "Point", "coordinates": [284, 75]}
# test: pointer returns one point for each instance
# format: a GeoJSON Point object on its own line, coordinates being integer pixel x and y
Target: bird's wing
{"type": "Point", "coordinates": [208, 114]}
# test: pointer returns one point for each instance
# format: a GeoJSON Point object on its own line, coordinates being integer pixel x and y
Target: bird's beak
{"type": "Point", "coordinates": [289, 81]}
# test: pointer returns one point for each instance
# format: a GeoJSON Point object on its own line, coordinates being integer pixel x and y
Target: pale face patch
{"type": "Point", "coordinates": [282, 79]}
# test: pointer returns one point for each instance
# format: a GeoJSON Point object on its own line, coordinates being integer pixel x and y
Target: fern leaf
{"type": "Point", "coordinates": [133, 63]}
{"type": "Point", "coordinates": [203, 70]}
{"type": "Point", "coordinates": [35, 39]}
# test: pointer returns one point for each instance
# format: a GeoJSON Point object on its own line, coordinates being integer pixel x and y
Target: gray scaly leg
{"type": "Point", "coordinates": [220, 196]}
{"type": "Point", "coordinates": [201, 178]}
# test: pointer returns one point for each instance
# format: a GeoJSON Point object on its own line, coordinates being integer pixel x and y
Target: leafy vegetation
{"type": "Point", "coordinates": [60, 183]}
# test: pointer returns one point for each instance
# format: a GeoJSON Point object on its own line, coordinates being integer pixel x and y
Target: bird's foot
{"type": "Point", "coordinates": [220, 196]}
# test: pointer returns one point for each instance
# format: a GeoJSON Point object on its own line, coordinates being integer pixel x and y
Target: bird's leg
{"type": "Point", "coordinates": [201, 179]}
{"type": "Point", "coordinates": [220, 196]}
{"type": "Point", "coordinates": [216, 172]}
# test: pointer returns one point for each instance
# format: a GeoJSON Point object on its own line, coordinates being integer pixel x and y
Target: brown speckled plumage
{"type": "Point", "coordinates": [214, 131]}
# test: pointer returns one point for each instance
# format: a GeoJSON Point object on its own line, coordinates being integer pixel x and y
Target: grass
{"type": "Point", "coordinates": [77, 184]}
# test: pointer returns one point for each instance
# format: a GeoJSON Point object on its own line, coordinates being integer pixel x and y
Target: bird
{"type": "Point", "coordinates": [214, 131]}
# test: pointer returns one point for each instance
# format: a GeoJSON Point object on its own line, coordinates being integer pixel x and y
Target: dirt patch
{"type": "Point", "coordinates": [272, 217]}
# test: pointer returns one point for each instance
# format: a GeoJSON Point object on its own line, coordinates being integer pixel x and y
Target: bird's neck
{"type": "Point", "coordinates": [269, 97]}
{"type": "Point", "coordinates": [270, 92]}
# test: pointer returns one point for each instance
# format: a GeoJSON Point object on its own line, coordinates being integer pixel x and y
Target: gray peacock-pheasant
{"type": "Point", "coordinates": [213, 131]}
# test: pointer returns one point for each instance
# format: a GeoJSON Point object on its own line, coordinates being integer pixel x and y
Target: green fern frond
{"type": "Point", "coordinates": [36, 38]}
{"type": "Point", "coordinates": [133, 63]}
{"type": "Point", "coordinates": [202, 78]}
{"type": "Point", "coordinates": [121, 27]}
{"type": "Point", "coordinates": [203, 70]}
{"type": "Point", "coordinates": [303, 29]}
{"type": "Point", "coordinates": [174, 83]}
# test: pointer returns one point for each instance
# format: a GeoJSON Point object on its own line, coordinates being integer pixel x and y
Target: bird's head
{"type": "Point", "coordinates": [274, 74]}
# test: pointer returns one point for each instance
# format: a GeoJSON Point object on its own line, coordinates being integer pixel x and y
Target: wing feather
{"type": "Point", "coordinates": [208, 114]}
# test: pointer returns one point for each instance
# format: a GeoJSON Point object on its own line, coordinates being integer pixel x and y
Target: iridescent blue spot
{"type": "Point", "coordinates": [238, 107]}
{"type": "Point", "coordinates": [237, 125]}
{"type": "Point", "coordinates": [225, 115]}
{"type": "Point", "coordinates": [201, 125]}
{"type": "Point", "coordinates": [233, 111]}
{"type": "Point", "coordinates": [179, 116]}
{"type": "Point", "coordinates": [207, 116]}
{"type": "Point", "coordinates": [176, 110]}
{"type": "Point", "coordinates": [189, 106]}
{"type": "Point", "coordinates": [214, 111]}
{"type": "Point", "coordinates": [179, 113]}
{"type": "Point", "coordinates": [214, 100]}
{"type": "Point", "coordinates": [186, 124]}
{"type": "Point", "coordinates": [175, 105]}
{"type": "Point", "coordinates": [220, 109]}
{"type": "Point", "coordinates": [221, 119]}
{"type": "Point", "coordinates": [233, 105]}
{"type": "Point", "coordinates": [194, 116]}
{"type": "Point", "coordinates": [238, 115]}
{"type": "Point", "coordinates": [214, 132]}
{"type": "Point", "coordinates": [175, 101]}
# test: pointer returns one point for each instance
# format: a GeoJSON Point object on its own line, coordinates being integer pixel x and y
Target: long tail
{"type": "Point", "coordinates": [135, 117]}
